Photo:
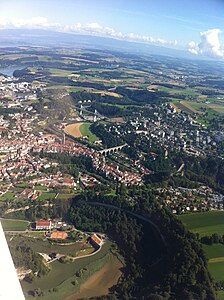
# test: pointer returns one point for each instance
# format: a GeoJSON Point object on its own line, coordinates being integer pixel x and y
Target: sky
{"type": "Point", "coordinates": [194, 25]}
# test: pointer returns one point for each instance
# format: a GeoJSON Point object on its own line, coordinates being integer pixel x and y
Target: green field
{"type": "Point", "coordinates": [65, 196]}
{"type": "Point", "coordinates": [41, 188]}
{"type": "Point", "coordinates": [205, 111]}
{"type": "Point", "coordinates": [8, 196]}
{"type": "Point", "coordinates": [45, 246]}
{"type": "Point", "coordinates": [46, 196]}
{"type": "Point", "coordinates": [14, 225]}
{"type": "Point", "coordinates": [215, 254]}
{"type": "Point", "coordinates": [178, 91]}
{"type": "Point", "coordinates": [62, 275]}
{"type": "Point", "coordinates": [205, 223]}
{"type": "Point", "coordinates": [99, 283]}
{"type": "Point", "coordinates": [214, 251]}
{"type": "Point", "coordinates": [220, 295]}
{"type": "Point", "coordinates": [217, 270]}
{"type": "Point", "coordinates": [59, 72]}
{"type": "Point", "coordinates": [85, 131]}
{"type": "Point", "coordinates": [208, 223]}
{"type": "Point", "coordinates": [23, 185]}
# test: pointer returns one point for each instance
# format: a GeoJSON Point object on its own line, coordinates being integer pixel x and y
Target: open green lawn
{"type": "Point", "coordinates": [67, 196]}
{"type": "Point", "coordinates": [77, 89]}
{"type": "Point", "coordinates": [8, 196]}
{"type": "Point", "coordinates": [85, 131]}
{"type": "Point", "coordinates": [220, 295]}
{"type": "Point", "coordinates": [14, 225]}
{"type": "Point", "coordinates": [205, 223]}
{"type": "Point", "coordinates": [208, 223]}
{"type": "Point", "coordinates": [23, 185]}
{"type": "Point", "coordinates": [217, 270]}
{"type": "Point", "coordinates": [59, 72]}
{"type": "Point", "coordinates": [215, 254]}
{"type": "Point", "coordinates": [41, 188]}
{"type": "Point", "coordinates": [47, 196]}
{"type": "Point", "coordinates": [178, 91]}
{"type": "Point", "coordinates": [214, 251]}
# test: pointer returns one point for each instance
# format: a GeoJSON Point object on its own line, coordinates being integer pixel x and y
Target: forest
{"type": "Point", "coordinates": [152, 271]}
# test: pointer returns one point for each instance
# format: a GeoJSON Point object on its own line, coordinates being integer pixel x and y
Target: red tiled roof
{"type": "Point", "coordinates": [43, 223]}
{"type": "Point", "coordinates": [96, 239]}
{"type": "Point", "coordinates": [68, 180]}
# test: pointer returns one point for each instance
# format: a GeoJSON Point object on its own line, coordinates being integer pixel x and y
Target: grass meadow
{"type": "Point", "coordinates": [205, 223]}
{"type": "Point", "coordinates": [208, 223]}
{"type": "Point", "coordinates": [14, 225]}
{"type": "Point", "coordinates": [85, 131]}
{"type": "Point", "coordinates": [62, 279]}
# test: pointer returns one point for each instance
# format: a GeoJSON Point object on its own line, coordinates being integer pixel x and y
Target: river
{"type": "Point", "coordinates": [8, 71]}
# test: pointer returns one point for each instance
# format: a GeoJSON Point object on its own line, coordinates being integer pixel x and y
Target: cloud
{"type": "Point", "coordinates": [209, 45]}
{"type": "Point", "coordinates": [37, 22]}
{"type": "Point", "coordinates": [89, 28]}
{"type": "Point", "coordinates": [94, 26]}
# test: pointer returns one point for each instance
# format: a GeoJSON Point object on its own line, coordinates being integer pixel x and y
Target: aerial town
{"type": "Point", "coordinates": [96, 162]}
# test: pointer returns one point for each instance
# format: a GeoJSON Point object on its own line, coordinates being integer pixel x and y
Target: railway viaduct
{"type": "Point", "coordinates": [112, 150]}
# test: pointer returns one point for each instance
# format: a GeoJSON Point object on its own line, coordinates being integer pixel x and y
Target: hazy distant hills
{"type": "Point", "coordinates": [36, 37]}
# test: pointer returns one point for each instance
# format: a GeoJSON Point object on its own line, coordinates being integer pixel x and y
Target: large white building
{"type": "Point", "coordinates": [43, 225]}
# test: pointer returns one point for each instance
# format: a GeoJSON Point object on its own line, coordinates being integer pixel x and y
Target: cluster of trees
{"type": "Point", "coordinates": [56, 208]}
{"type": "Point", "coordinates": [21, 73]}
{"type": "Point", "coordinates": [209, 170]}
{"type": "Point", "coordinates": [69, 164]}
{"type": "Point", "coordinates": [97, 97]}
{"type": "Point", "coordinates": [108, 139]}
{"type": "Point", "coordinates": [180, 276]}
{"type": "Point", "coordinates": [161, 168]}
{"type": "Point", "coordinates": [65, 164]}
{"type": "Point", "coordinates": [141, 97]}
{"type": "Point", "coordinates": [37, 210]}
{"type": "Point", "coordinates": [137, 241]}
{"type": "Point", "coordinates": [94, 85]}
{"type": "Point", "coordinates": [110, 110]}
{"type": "Point", "coordinates": [185, 272]}
{"type": "Point", "coordinates": [6, 111]}
{"type": "Point", "coordinates": [107, 110]}
{"type": "Point", "coordinates": [212, 239]}
{"type": "Point", "coordinates": [129, 98]}
{"type": "Point", "coordinates": [24, 256]}
{"type": "Point", "coordinates": [216, 83]}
